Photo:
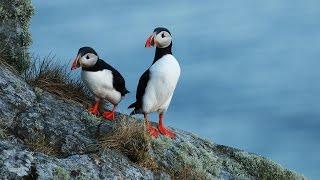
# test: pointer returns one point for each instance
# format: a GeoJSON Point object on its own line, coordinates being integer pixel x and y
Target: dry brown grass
{"type": "Point", "coordinates": [16, 59]}
{"type": "Point", "coordinates": [5, 64]}
{"type": "Point", "coordinates": [131, 138]}
{"type": "Point", "coordinates": [55, 78]}
{"type": "Point", "coordinates": [43, 145]}
{"type": "Point", "coordinates": [4, 131]}
{"type": "Point", "coordinates": [188, 173]}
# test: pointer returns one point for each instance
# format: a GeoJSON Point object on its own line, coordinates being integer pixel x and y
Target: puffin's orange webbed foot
{"type": "Point", "coordinates": [109, 115]}
{"type": "Point", "coordinates": [163, 130]}
{"type": "Point", "coordinates": [153, 131]}
{"type": "Point", "coordinates": [95, 109]}
{"type": "Point", "coordinates": [166, 132]}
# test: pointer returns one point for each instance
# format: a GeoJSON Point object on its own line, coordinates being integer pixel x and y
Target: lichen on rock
{"type": "Point", "coordinates": [15, 37]}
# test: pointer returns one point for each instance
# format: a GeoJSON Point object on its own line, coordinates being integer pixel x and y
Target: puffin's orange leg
{"type": "Point", "coordinates": [152, 130]}
{"type": "Point", "coordinates": [163, 130]}
{"type": "Point", "coordinates": [110, 115]}
{"type": "Point", "coordinates": [95, 108]}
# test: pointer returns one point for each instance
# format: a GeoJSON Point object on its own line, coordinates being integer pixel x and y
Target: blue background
{"type": "Point", "coordinates": [250, 69]}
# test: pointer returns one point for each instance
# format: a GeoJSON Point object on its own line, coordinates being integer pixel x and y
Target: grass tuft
{"type": "Point", "coordinates": [188, 172]}
{"type": "Point", "coordinates": [43, 145]}
{"type": "Point", "coordinates": [131, 138]}
{"type": "Point", "coordinates": [4, 131]}
{"type": "Point", "coordinates": [5, 64]}
{"type": "Point", "coordinates": [48, 75]}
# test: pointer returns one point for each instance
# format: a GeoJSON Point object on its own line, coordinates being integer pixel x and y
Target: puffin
{"type": "Point", "coordinates": [157, 84]}
{"type": "Point", "coordinates": [104, 81]}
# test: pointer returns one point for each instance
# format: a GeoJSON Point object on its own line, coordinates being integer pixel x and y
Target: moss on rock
{"type": "Point", "coordinates": [3, 130]}
{"type": "Point", "coordinates": [182, 159]}
{"type": "Point", "coordinates": [60, 173]}
{"type": "Point", "coordinates": [263, 168]}
{"type": "Point", "coordinates": [15, 37]}
{"type": "Point", "coordinates": [243, 165]}
{"type": "Point", "coordinates": [190, 157]}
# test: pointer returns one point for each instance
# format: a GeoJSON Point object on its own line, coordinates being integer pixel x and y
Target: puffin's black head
{"type": "Point", "coordinates": [86, 57]}
{"type": "Point", "coordinates": [161, 38]}
{"type": "Point", "coordinates": [159, 29]}
{"type": "Point", "coordinates": [85, 50]}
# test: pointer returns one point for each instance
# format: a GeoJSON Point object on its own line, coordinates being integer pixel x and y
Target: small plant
{"type": "Point", "coordinates": [3, 130]}
{"type": "Point", "coordinates": [187, 172]}
{"type": "Point", "coordinates": [48, 75]}
{"type": "Point", "coordinates": [60, 173]}
{"type": "Point", "coordinates": [131, 138]}
{"type": "Point", "coordinates": [43, 145]}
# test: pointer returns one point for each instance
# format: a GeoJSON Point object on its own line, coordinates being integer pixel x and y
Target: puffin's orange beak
{"type": "Point", "coordinates": [75, 63]}
{"type": "Point", "coordinates": [150, 41]}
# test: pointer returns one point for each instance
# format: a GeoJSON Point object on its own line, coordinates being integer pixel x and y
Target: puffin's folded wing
{"type": "Point", "coordinates": [118, 81]}
{"type": "Point", "coordinates": [143, 82]}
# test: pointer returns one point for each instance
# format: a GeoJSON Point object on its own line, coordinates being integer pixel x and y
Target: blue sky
{"type": "Point", "coordinates": [250, 75]}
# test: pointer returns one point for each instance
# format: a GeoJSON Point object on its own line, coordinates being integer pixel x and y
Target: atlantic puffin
{"type": "Point", "coordinates": [104, 81]}
{"type": "Point", "coordinates": [157, 84]}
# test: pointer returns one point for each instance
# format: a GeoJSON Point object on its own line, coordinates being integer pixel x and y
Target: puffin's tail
{"type": "Point", "coordinates": [133, 105]}
{"type": "Point", "coordinates": [133, 112]}
{"type": "Point", "coordinates": [123, 93]}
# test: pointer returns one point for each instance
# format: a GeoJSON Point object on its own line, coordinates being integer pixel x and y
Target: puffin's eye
{"type": "Point", "coordinates": [162, 35]}
{"type": "Point", "coordinates": [87, 57]}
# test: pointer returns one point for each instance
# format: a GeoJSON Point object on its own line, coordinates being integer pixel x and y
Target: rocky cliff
{"type": "Point", "coordinates": [43, 136]}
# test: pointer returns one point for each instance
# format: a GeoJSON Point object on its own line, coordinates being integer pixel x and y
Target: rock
{"type": "Point", "coordinates": [58, 121]}
{"type": "Point", "coordinates": [207, 160]}
{"type": "Point", "coordinates": [44, 136]}
{"type": "Point", "coordinates": [15, 38]}
{"type": "Point", "coordinates": [18, 163]}
{"type": "Point", "coordinates": [16, 96]}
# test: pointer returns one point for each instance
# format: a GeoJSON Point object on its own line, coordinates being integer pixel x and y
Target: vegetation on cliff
{"type": "Point", "coordinates": [15, 37]}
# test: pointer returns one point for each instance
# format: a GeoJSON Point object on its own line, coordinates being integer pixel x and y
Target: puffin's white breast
{"type": "Point", "coordinates": [164, 75]}
{"type": "Point", "coordinates": [100, 84]}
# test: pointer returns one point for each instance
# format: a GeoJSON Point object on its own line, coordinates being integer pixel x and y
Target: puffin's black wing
{"type": "Point", "coordinates": [118, 81]}
{"type": "Point", "coordinates": [143, 82]}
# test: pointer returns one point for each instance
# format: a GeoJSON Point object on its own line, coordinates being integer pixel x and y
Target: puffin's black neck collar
{"type": "Point", "coordinates": [97, 67]}
{"type": "Point", "coordinates": [160, 52]}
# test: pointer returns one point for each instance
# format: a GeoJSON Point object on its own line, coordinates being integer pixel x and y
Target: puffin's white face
{"type": "Point", "coordinates": [162, 39]}
{"type": "Point", "coordinates": [88, 60]}
{"type": "Point", "coordinates": [86, 57]}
